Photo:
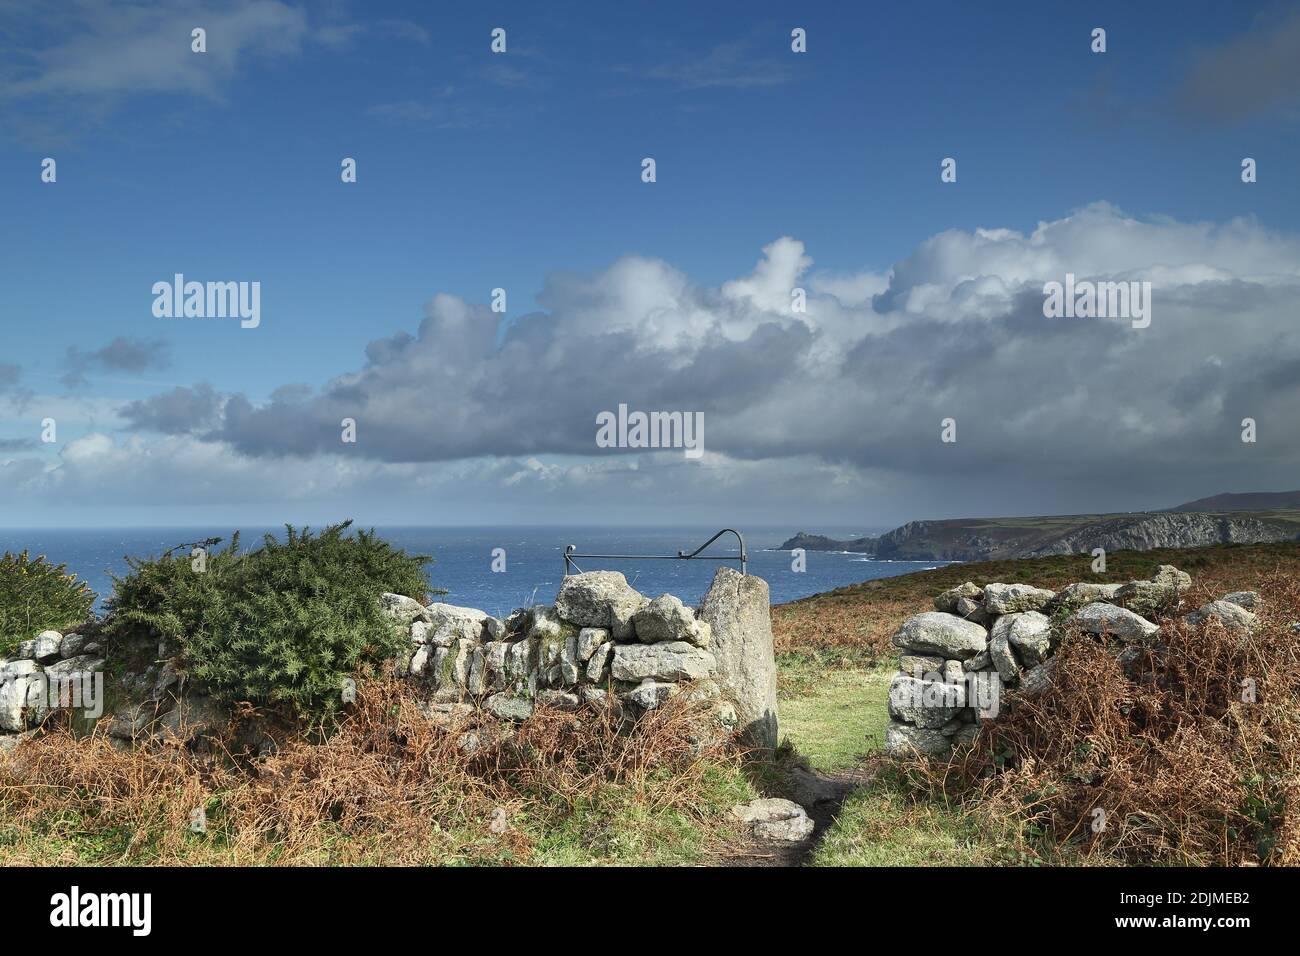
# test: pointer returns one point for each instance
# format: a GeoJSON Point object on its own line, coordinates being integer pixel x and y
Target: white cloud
{"type": "Point", "coordinates": [119, 48]}
{"type": "Point", "coordinates": [1098, 240]}
{"type": "Point", "coordinates": [829, 407]}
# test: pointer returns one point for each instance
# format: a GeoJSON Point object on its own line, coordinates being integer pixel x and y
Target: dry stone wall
{"type": "Point", "coordinates": [49, 669]}
{"type": "Point", "coordinates": [957, 662]}
{"type": "Point", "coordinates": [600, 643]}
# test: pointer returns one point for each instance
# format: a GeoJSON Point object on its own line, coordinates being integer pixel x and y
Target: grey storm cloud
{"type": "Point", "coordinates": [120, 355]}
{"type": "Point", "coordinates": [449, 392]}
{"type": "Point", "coordinates": [863, 379]}
{"type": "Point", "coordinates": [179, 411]}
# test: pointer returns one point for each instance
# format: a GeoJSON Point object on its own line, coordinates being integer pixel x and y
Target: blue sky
{"type": "Point", "coordinates": [478, 171]}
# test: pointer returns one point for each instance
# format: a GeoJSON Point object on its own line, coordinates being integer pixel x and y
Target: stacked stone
{"type": "Point", "coordinates": [61, 670]}
{"type": "Point", "coordinates": [44, 662]}
{"type": "Point", "coordinates": [601, 641]}
{"type": "Point", "coordinates": [600, 637]}
{"type": "Point", "coordinates": [955, 660]}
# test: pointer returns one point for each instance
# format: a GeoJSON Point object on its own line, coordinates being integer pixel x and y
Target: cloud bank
{"type": "Point", "coordinates": [841, 403]}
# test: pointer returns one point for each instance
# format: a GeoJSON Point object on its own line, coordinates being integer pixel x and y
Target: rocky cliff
{"type": "Point", "coordinates": [1177, 530]}
{"type": "Point", "coordinates": [979, 539]}
{"type": "Point", "coordinates": [819, 542]}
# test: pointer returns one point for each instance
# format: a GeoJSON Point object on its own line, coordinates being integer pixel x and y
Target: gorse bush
{"type": "Point", "coordinates": [36, 595]}
{"type": "Point", "coordinates": [280, 626]}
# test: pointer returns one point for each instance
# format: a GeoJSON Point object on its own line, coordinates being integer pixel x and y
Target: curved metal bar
{"type": "Point", "coordinates": [744, 556]}
{"type": "Point", "coordinates": [570, 552]}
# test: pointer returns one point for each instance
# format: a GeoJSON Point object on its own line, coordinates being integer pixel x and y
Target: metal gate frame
{"type": "Point", "coordinates": [570, 552]}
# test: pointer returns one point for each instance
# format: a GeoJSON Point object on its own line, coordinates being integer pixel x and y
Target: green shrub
{"type": "Point", "coordinates": [35, 596]}
{"type": "Point", "coordinates": [280, 626]}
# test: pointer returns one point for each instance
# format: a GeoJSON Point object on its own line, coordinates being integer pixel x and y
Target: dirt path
{"type": "Point", "coordinates": [822, 795]}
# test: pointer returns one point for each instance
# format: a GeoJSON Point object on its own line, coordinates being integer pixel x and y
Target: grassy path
{"type": "Point", "coordinates": [836, 724]}
{"type": "Point", "coordinates": [840, 721]}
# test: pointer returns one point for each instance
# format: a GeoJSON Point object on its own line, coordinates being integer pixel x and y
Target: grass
{"type": "Point", "coordinates": [839, 722]}
{"type": "Point", "coordinates": [880, 826]}
{"type": "Point", "coordinates": [835, 721]}
{"type": "Point", "coordinates": [616, 827]}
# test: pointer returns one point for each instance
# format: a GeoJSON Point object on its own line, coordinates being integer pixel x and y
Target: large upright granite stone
{"type": "Point", "coordinates": [14, 693]}
{"type": "Point", "coordinates": [739, 613]}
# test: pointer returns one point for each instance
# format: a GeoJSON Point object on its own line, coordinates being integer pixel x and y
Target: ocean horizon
{"type": "Point", "coordinates": [462, 558]}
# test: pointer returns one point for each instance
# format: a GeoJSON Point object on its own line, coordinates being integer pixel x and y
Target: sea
{"type": "Point", "coordinates": [463, 558]}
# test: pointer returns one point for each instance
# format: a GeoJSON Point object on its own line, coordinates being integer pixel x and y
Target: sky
{"type": "Point", "coordinates": [522, 171]}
